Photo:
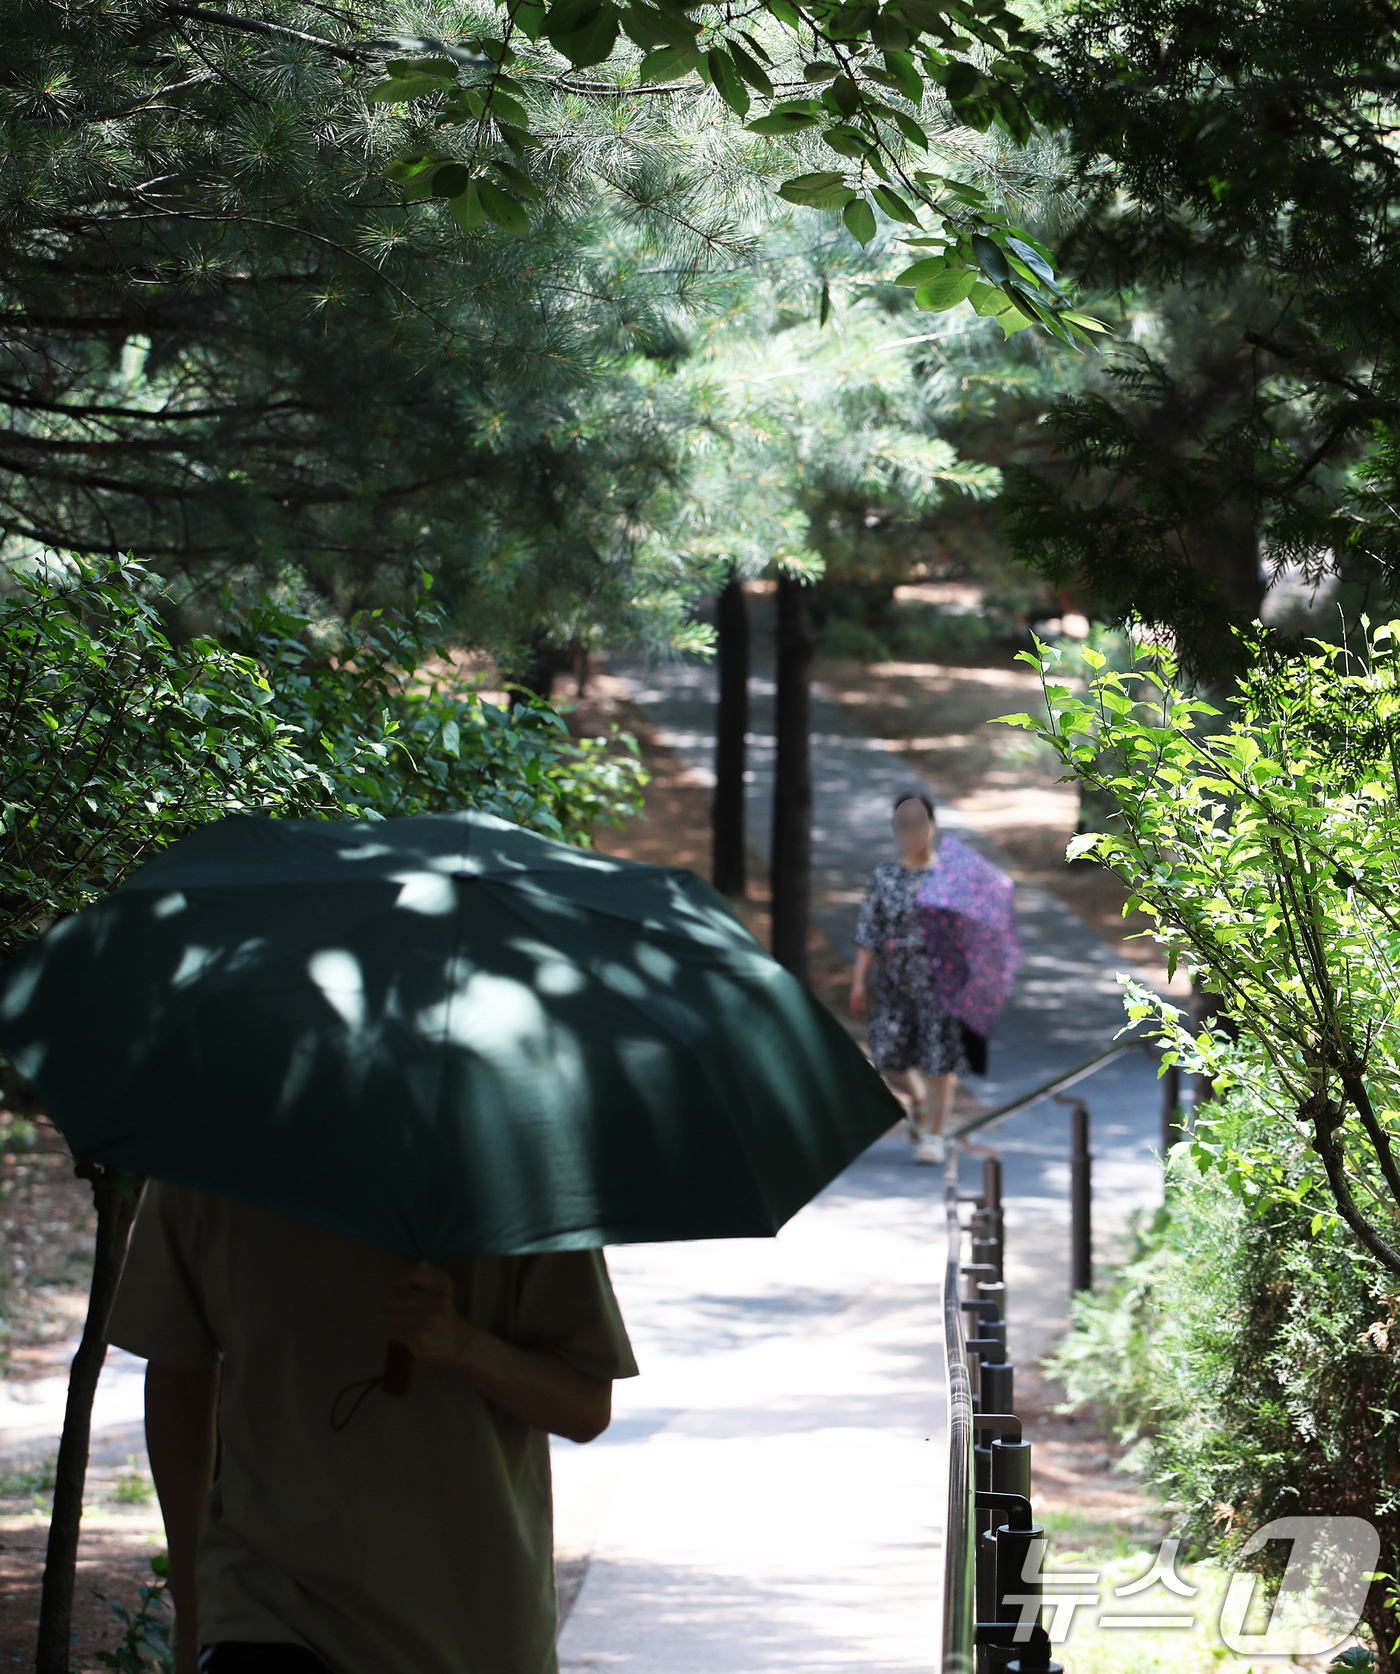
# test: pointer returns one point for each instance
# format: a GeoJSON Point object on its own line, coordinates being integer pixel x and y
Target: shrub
{"type": "Point", "coordinates": [1249, 1349]}
{"type": "Point", "coordinates": [23, 1482]}
{"type": "Point", "coordinates": [115, 741]}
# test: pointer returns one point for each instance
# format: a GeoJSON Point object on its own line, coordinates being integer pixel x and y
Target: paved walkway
{"type": "Point", "coordinates": [1067, 1002]}
{"type": "Point", "coordinates": [770, 1501]}
{"type": "Point", "coordinates": [769, 1494]}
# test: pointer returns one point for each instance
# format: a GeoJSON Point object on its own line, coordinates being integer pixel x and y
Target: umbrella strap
{"type": "Point", "coordinates": [363, 1386]}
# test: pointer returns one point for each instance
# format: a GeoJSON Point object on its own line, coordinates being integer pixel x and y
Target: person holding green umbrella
{"type": "Point", "coordinates": [343, 1051]}
{"type": "Point", "coordinates": [348, 1532]}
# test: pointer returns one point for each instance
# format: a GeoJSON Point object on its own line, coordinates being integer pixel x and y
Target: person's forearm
{"type": "Point", "coordinates": [864, 960]}
{"type": "Point", "coordinates": [534, 1386]}
{"type": "Point", "coordinates": [181, 1440]}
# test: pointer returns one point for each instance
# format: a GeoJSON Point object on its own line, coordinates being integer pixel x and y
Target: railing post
{"type": "Point", "coordinates": [1081, 1232]}
{"type": "Point", "coordinates": [990, 1540]}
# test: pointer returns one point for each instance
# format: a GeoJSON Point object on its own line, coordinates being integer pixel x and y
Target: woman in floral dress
{"type": "Point", "coordinates": [918, 1048]}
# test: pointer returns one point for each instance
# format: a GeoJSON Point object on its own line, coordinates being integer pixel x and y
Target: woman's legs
{"type": "Point", "coordinates": [915, 1089]}
{"type": "Point", "coordinates": [937, 1102]}
{"type": "Point", "coordinates": [933, 1113]}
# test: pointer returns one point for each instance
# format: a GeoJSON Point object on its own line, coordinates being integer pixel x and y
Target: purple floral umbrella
{"type": "Point", "coordinates": [969, 924]}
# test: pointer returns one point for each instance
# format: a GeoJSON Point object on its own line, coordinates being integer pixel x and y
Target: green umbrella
{"type": "Point", "coordinates": [446, 1036]}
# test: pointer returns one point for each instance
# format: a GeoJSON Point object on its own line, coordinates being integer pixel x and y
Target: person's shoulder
{"type": "Point", "coordinates": [175, 1204]}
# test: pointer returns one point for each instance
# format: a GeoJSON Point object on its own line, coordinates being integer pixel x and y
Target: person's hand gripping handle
{"type": "Point", "coordinates": [398, 1368]}
{"type": "Point", "coordinates": [421, 1322]}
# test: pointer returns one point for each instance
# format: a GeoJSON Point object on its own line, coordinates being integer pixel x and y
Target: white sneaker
{"type": "Point", "coordinates": [932, 1148]}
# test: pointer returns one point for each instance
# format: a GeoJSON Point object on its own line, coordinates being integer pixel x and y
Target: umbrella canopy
{"type": "Point", "coordinates": [446, 1036]}
{"type": "Point", "coordinates": [968, 917]}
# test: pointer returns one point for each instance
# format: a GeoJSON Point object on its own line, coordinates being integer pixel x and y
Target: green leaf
{"type": "Point", "coordinates": [990, 258]}
{"type": "Point", "coordinates": [823, 190]}
{"type": "Point", "coordinates": [405, 69]}
{"type": "Point", "coordinates": [893, 205]}
{"type": "Point", "coordinates": [467, 210]}
{"type": "Point", "coordinates": [508, 213]}
{"type": "Point", "coordinates": [844, 95]}
{"type": "Point", "coordinates": [782, 122]}
{"type": "Point", "coordinates": [1035, 262]}
{"type": "Point", "coordinates": [911, 130]}
{"type": "Point", "coordinates": [890, 33]}
{"type": "Point", "coordinates": [860, 220]}
{"type": "Point", "coordinates": [964, 193]}
{"type": "Point", "coordinates": [882, 78]}
{"type": "Point", "coordinates": [407, 170]}
{"type": "Point", "coordinates": [987, 299]}
{"type": "Point", "coordinates": [751, 70]}
{"type": "Point", "coordinates": [668, 63]}
{"type": "Point", "coordinates": [1084, 320]}
{"type": "Point", "coordinates": [650, 28]}
{"type": "Point", "coordinates": [727, 81]}
{"type": "Point", "coordinates": [398, 92]}
{"type": "Point", "coordinates": [584, 31]}
{"type": "Point", "coordinates": [945, 290]}
{"type": "Point", "coordinates": [451, 180]}
{"type": "Point", "coordinates": [1010, 320]}
{"type": "Point", "coordinates": [530, 16]}
{"type": "Point", "coordinates": [785, 13]}
{"type": "Point", "coordinates": [846, 141]}
{"type": "Point", "coordinates": [516, 178]}
{"type": "Point", "coordinates": [923, 271]}
{"type": "Point", "coordinates": [452, 738]}
{"type": "Point", "coordinates": [851, 22]}
{"type": "Point", "coordinates": [820, 71]}
{"type": "Point", "coordinates": [506, 109]}
{"type": "Point", "coordinates": [922, 14]}
{"type": "Point", "coordinates": [901, 66]}
{"type": "Point", "coordinates": [518, 139]}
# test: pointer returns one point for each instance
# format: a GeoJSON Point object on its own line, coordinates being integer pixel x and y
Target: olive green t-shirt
{"type": "Point", "coordinates": [418, 1538]}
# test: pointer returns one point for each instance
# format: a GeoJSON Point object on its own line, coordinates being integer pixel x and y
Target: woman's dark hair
{"type": "Point", "coordinates": [915, 796]}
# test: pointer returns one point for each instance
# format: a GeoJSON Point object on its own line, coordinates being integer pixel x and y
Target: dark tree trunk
{"type": "Point", "coordinates": [791, 869]}
{"type": "Point", "coordinates": [538, 669]}
{"type": "Point", "coordinates": [727, 862]}
{"type": "Point", "coordinates": [116, 1194]}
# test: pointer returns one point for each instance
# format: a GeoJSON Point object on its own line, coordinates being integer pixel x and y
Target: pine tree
{"type": "Point", "coordinates": [232, 350]}
{"type": "Point", "coordinates": [1262, 426]}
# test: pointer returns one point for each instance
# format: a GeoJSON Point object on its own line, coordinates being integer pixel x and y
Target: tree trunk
{"type": "Point", "coordinates": [116, 1193]}
{"type": "Point", "coordinates": [791, 869]}
{"type": "Point", "coordinates": [727, 856]}
{"type": "Point", "coordinates": [537, 670]}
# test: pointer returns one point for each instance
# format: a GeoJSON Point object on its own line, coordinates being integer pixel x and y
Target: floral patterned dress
{"type": "Point", "coordinates": [907, 1030]}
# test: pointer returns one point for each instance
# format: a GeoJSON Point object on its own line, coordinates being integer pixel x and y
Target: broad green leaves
{"type": "Point", "coordinates": [118, 741]}
{"type": "Point", "coordinates": [859, 218]}
{"type": "Point", "coordinates": [870, 69]}
{"type": "Point", "coordinates": [1267, 851]}
{"type": "Point", "coordinates": [823, 190]}
{"type": "Point", "coordinates": [584, 31]}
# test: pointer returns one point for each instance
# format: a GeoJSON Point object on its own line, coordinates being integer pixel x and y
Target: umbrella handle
{"type": "Point", "coordinates": [398, 1369]}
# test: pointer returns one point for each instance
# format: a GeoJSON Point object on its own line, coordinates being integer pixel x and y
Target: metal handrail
{"type": "Point", "coordinates": [959, 1606]}
{"type": "Point", "coordinates": [960, 1537]}
{"type": "Point", "coordinates": [1056, 1084]}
